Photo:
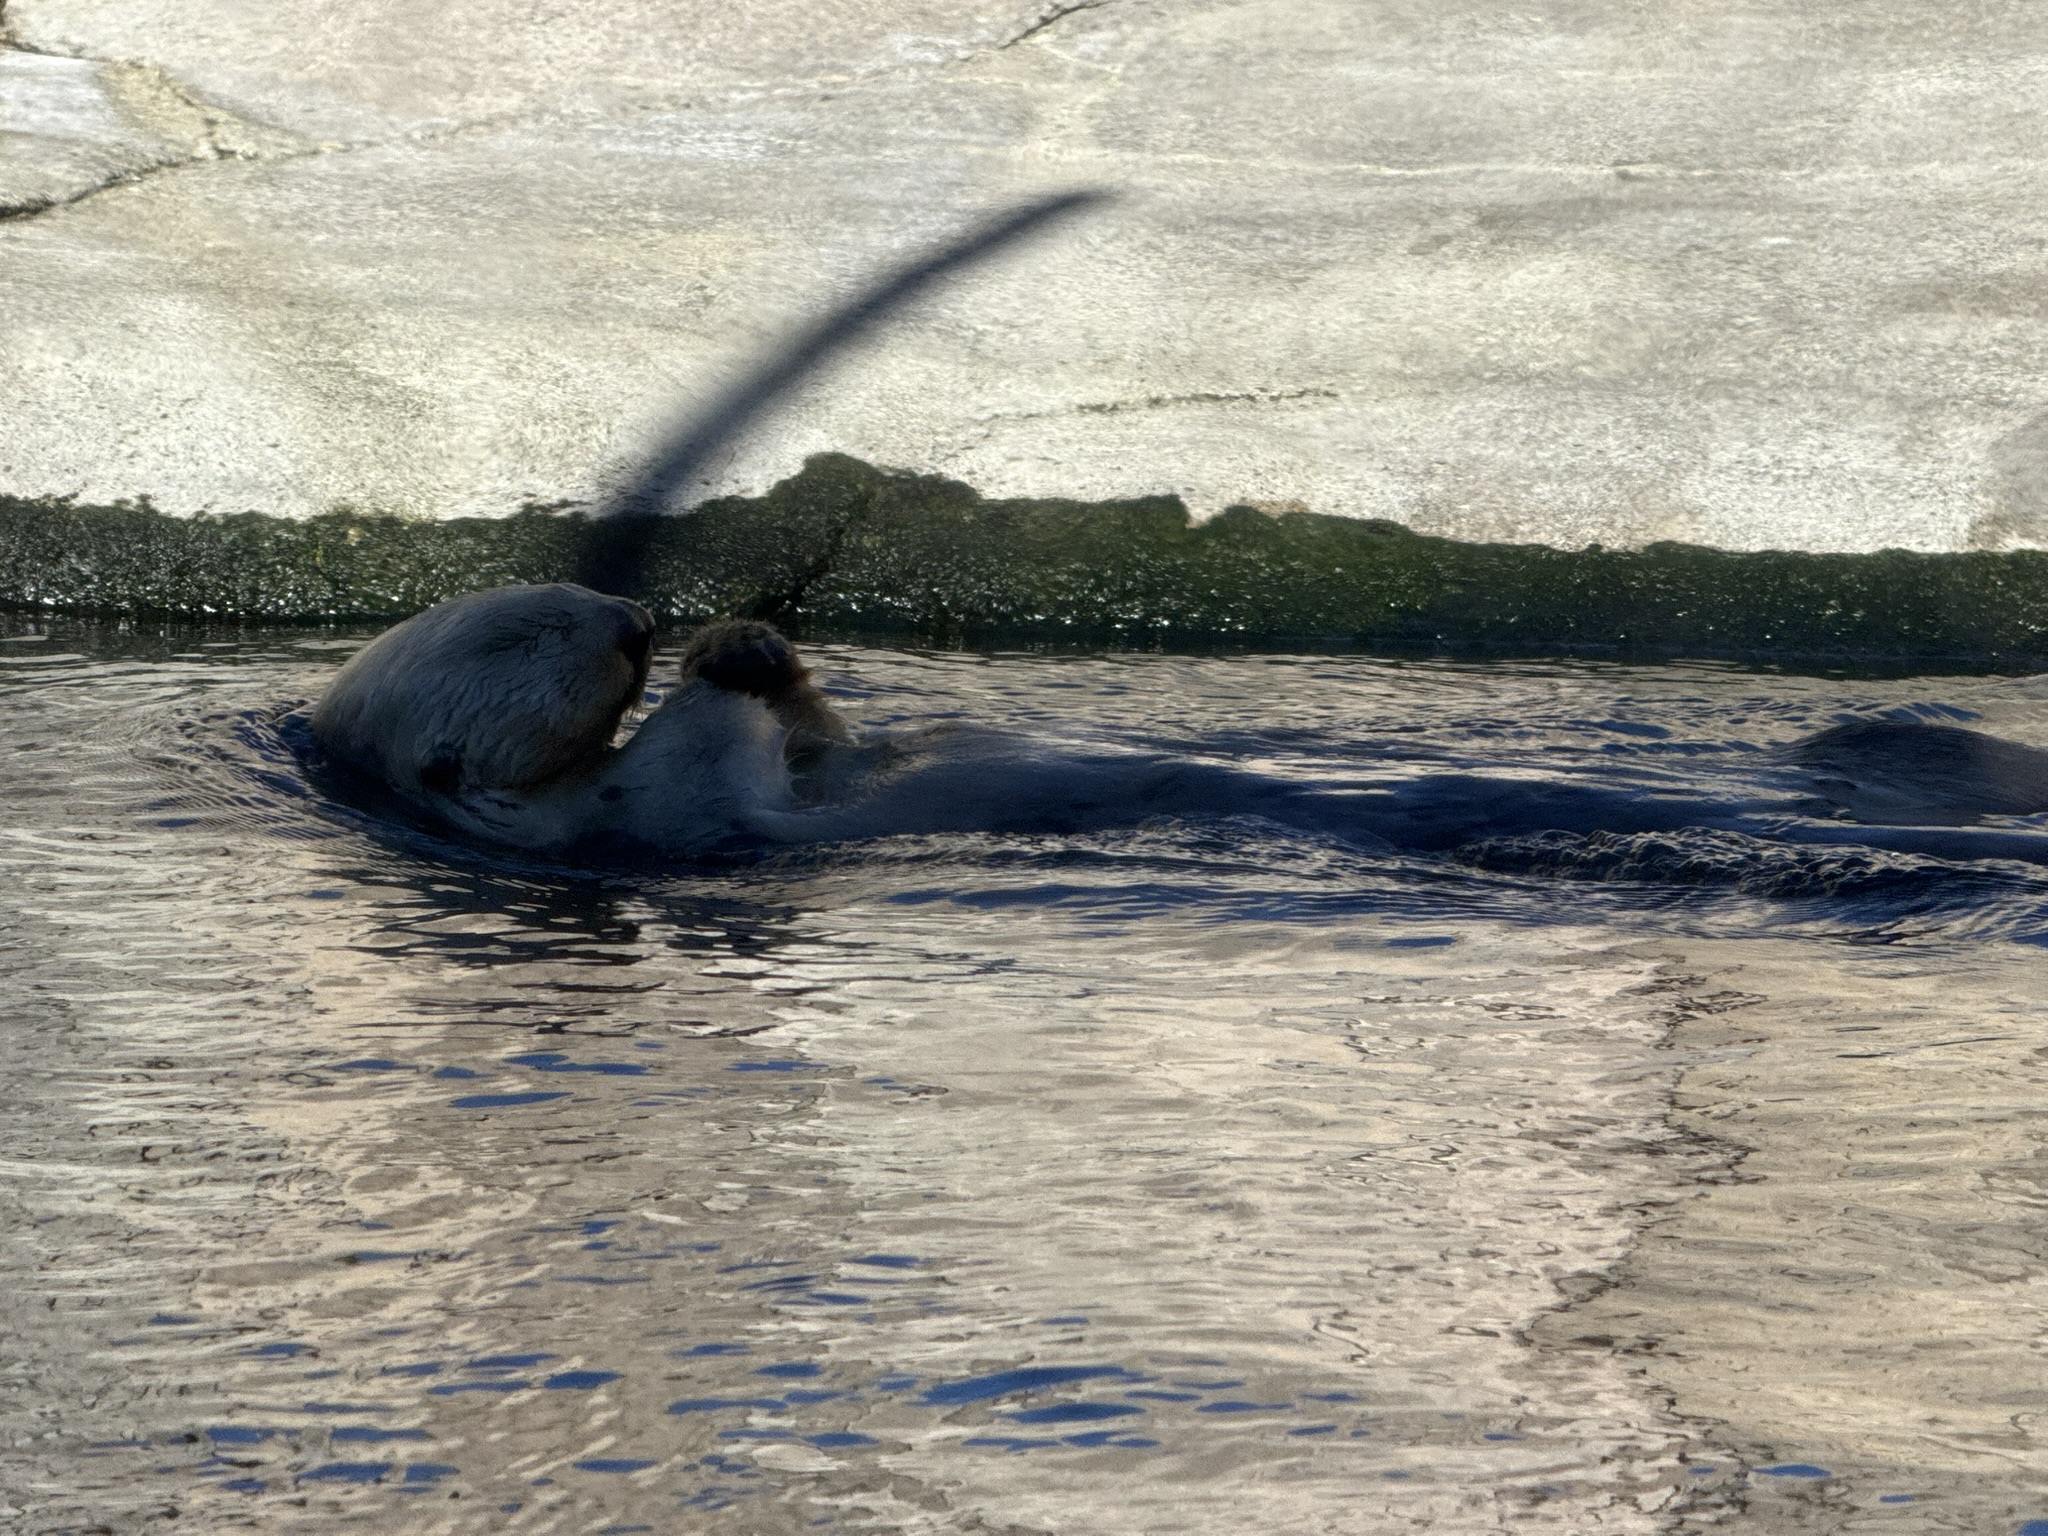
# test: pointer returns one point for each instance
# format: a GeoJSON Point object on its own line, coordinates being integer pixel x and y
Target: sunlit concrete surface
{"type": "Point", "coordinates": [1752, 274]}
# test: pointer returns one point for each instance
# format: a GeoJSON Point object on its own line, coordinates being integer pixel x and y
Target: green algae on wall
{"type": "Point", "coordinates": [847, 548]}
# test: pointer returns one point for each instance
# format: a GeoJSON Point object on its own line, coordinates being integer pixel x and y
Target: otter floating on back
{"type": "Point", "coordinates": [496, 712]}
{"type": "Point", "coordinates": [496, 715]}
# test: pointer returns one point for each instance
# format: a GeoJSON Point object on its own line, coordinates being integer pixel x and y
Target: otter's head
{"type": "Point", "coordinates": [510, 689]}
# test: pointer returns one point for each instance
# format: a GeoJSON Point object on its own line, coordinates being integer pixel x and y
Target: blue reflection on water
{"type": "Point", "coordinates": [347, 1472]}
{"type": "Point", "coordinates": [720, 1404]}
{"type": "Point", "coordinates": [555, 1061]}
{"type": "Point", "coordinates": [579, 1381]}
{"type": "Point", "coordinates": [1066, 1413]}
{"type": "Point", "coordinates": [976, 1389]}
{"type": "Point", "coordinates": [236, 1434]}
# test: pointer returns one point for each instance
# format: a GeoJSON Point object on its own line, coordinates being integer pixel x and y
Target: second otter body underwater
{"type": "Point", "coordinates": [496, 714]}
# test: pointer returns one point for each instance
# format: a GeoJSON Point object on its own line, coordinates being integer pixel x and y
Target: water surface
{"type": "Point", "coordinates": [1215, 1173]}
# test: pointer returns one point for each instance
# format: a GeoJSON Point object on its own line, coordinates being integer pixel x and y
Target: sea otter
{"type": "Point", "coordinates": [496, 713]}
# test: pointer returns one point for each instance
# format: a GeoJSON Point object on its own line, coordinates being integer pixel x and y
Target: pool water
{"type": "Point", "coordinates": [1210, 1173]}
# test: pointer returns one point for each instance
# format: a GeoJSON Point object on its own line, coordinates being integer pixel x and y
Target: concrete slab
{"type": "Point", "coordinates": [1729, 271]}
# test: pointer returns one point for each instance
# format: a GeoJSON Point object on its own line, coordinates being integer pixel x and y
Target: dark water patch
{"type": "Point", "coordinates": [1695, 856]}
{"type": "Point", "coordinates": [556, 1061]}
{"type": "Point", "coordinates": [1074, 1413]}
{"type": "Point", "coordinates": [348, 1472]}
{"type": "Point", "coordinates": [977, 1389]}
{"type": "Point", "coordinates": [503, 1100]}
{"type": "Point", "coordinates": [724, 1404]}
{"type": "Point", "coordinates": [847, 549]}
{"type": "Point", "coordinates": [1871, 894]}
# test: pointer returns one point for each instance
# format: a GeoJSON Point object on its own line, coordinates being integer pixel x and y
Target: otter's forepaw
{"type": "Point", "coordinates": [743, 656]}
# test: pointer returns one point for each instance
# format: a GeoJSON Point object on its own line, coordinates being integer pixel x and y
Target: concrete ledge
{"type": "Point", "coordinates": [1750, 275]}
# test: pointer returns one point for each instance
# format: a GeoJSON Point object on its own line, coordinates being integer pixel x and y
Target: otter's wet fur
{"type": "Point", "coordinates": [496, 713]}
{"type": "Point", "coordinates": [506, 690]}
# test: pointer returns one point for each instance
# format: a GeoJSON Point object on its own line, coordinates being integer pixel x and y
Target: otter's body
{"type": "Point", "coordinates": [496, 712]}
{"type": "Point", "coordinates": [1901, 771]}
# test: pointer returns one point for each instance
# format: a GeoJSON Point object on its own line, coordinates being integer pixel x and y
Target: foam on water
{"type": "Point", "coordinates": [1464, 1133]}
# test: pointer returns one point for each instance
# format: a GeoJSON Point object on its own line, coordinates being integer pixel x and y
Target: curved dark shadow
{"type": "Point", "coordinates": [614, 553]}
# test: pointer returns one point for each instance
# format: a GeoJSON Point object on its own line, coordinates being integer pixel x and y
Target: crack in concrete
{"type": "Point", "coordinates": [159, 102]}
{"type": "Point", "coordinates": [1166, 402]}
{"type": "Point", "coordinates": [1206, 397]}
{"type": "Point", "coordinates": [1052, 16]}
{"type": "Point", "coordinates": [158, 105]}
{"type": "Point", "coordinates": [34, 207]}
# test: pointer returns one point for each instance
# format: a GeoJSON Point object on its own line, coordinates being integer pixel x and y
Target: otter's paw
{"type": "Point", "coordinates": [743, 656]}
